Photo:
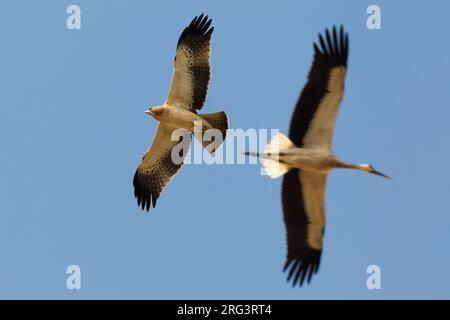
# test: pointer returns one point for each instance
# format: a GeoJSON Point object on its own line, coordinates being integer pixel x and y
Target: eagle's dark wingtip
{"type": "Point", "coordinates": [154, 198]}
{"type": "Point", "coordinates": [142, 195]}
{"type": "Point", "coordinates": [199, 27]}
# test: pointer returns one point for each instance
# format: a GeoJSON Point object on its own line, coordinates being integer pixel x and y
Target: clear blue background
{"type": "Point", "coordinates": [72, 131]}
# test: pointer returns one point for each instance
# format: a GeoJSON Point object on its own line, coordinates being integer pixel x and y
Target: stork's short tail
{"type": "Point", "coordinates": [271, 162]}
{"type": "Point", "coordinates": [219, 121]}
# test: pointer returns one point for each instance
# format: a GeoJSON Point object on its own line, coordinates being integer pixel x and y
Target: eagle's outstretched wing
{"type": "Point", "coordinates": [192, 69]}
{"type": "Point", "coordinates": [158, 166]}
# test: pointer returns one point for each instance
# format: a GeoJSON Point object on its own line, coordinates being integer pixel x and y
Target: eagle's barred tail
{"type": "Point", "coordinates": [219, 121]}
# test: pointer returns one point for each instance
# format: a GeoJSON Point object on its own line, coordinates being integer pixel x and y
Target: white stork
{"type": "Point", "coordinates": [306, 157]}
{"type": "Point", "coordinates": [187, 94]}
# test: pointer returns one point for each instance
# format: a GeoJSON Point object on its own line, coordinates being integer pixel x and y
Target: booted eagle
{"type": "Point", "coordinates": [187, 94]}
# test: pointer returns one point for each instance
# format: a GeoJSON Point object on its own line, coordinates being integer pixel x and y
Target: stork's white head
{"type": "Point", "coordinates": [155, 112]}
{"type": "Point", "coordinates": [368, 168]}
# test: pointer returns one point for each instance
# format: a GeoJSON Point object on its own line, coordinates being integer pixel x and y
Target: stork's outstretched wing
{"type": "Point", "coordinates": [158, 166]}
{"type": "Point", "coordinates": [313, 121]}
{"type": "Point", "coordinates": [303, 195]}
{"type": "Point", "coordinates": [192, 69]}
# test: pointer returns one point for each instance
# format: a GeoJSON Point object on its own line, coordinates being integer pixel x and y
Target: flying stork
{"type": "Point", "coordinates": [187, 94]}
{"type": "Point", "coordinates": [306, 157]}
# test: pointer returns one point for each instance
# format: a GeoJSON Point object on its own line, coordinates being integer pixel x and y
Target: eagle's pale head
{"type": "Point", "coordinates": [155, 112]}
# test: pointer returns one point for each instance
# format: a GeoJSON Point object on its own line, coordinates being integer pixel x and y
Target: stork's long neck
{"type": "Point", "coordinates": [345, 165]}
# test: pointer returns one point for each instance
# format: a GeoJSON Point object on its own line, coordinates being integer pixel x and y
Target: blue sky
{"type": "Point", "coordinates": [72, 131]}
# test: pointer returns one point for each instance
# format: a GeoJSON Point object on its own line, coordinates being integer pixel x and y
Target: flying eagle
{"type": "Point", "coordinates": [187, 94]}
{"type": "Point", "coordinates": [306, 157]}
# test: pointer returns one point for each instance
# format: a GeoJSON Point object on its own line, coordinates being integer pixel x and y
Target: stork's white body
{"type": "Point", "coordinates": [315, 160]}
